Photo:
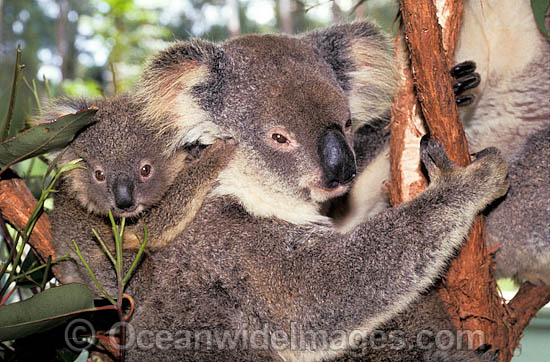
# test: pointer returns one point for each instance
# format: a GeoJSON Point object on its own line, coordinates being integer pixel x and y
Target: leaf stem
{"type": "Point", "coordinates": [6, 125]}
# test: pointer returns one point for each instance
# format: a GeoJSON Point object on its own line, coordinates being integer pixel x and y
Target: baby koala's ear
{"type": "Point", "coordinates": [59, 108]}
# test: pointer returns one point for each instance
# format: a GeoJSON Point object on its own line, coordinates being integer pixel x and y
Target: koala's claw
{"type": "Point", "coordinates": [465, 78]}
{"type": "Point", "coordinates": [486, 152]}
{"type": "Point", "coordinates": [462, 69]}
{"type": "Point", "coordinates": [483, 348]}
{"type": "Point", "coordinates": [467, 82]}
{"type": "Point", "coordinates": [434, 157]}
{"type": "Point", "coordinates": [466, 100]}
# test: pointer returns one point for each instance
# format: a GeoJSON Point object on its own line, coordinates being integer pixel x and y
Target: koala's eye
{"type": "Point", "coordinates": [99, 175]}
{"type": "Point", "coordinates": [279, 138]}
{"type": "Point", "coordinates": [348, 124]}
{"type": "Point", "coordinates": [145, 170]}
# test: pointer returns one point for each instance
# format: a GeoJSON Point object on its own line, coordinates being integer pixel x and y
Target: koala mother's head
{"type": "Point", "coordinates": [291, 103]}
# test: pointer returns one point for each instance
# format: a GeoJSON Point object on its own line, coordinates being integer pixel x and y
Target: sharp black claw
{"type": "Point", "coordinates": [462, 69]}
{"type": "Point", "coordinates": [433, 156]}
{"type": "Point", "coordinates": [483, 348]}
{"type": "Point", "coordinates": [463, 101]}
{"type": "Point", "coordinates": [425, 140]}
{"type": "Point", "coordinates": [467, 82]}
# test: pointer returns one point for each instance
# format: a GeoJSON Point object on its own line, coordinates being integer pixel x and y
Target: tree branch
{"type": "Point", "coordinates": [16, 205]}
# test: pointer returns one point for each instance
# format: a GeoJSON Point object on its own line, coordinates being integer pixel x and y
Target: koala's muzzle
{"type": "Point", "coordinates": [337, 159]}
{"type": "Point", "coordinates": [123, 189]}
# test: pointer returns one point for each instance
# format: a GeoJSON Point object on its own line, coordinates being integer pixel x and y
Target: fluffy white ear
{"type": "Point", "coordinates": [170, 89]}
{"type": "Point", "coordinates": [361, 57]}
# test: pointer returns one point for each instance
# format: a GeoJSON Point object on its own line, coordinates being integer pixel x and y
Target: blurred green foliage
{"type": "Point", "coordinates": [98, 47]}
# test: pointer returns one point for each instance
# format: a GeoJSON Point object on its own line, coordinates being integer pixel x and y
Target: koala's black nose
{"type": "Point", "coordinates": [337, 159]}
{"type": "Point", "coordinates": [123, 189]}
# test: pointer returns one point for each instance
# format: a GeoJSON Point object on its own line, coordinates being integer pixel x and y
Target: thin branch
{"type": "Point", "coordinates": [6, 125]}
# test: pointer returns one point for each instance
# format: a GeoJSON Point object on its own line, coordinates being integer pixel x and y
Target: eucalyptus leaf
{"type": "Point", "coordinates": [43, 137]}
{"type": "Point", "coordinates": [44, 311]}
{"type": "Point", "coordinates": [540, 7]}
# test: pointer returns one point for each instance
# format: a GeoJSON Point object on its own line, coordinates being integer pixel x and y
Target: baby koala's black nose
{"type": "Point", "coordinates": [123, 190]}
{"type": "Point", "coordinates": [337, 159]}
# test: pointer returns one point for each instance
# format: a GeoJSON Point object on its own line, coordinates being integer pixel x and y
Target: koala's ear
{"type": "Point", "coordinates": [361, 57]}
{"type": "Point", "coordinates": [178, 87]}
{"type": "Point", "coordinates": [61, 107]}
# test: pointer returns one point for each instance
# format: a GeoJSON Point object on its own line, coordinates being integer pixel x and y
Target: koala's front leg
{"type": "Point", "coordinates": [483, 181]}
{"type": "Point", "coordinates": [177, 208]}
{"type": "Point", "coordinates": [358, 280]}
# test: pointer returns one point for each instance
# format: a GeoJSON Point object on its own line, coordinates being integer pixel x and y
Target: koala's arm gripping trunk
{"type": "Point", "coordinates": [328, 281]}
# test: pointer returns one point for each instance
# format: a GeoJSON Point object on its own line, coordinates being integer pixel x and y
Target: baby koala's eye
{"type": "Point", "coordinates": [279, 138]}
{"type": "Point", "coordinates": [145, 170]}
{"type": "Point", "coordinates": [99, 175]}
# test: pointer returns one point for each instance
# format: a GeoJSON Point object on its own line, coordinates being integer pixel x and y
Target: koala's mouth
{"type": "Point", "coordinates": [131, 212]}
{"type": "Point", "coordinates": [320, 193]}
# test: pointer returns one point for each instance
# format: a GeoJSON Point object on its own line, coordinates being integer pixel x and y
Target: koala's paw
{"type": "Point", "coordinates": [485, 178]}
{"type": "Point", "coordinates": [488, 173]}
{"type": "Point", "coordinates": [220, 152]}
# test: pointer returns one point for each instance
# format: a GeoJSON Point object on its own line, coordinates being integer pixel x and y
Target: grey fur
{"type": "Point", "coordinates": [513, 113]}
{"type": "Point", "coordinates": [248, 261]}
{"type": "Point", "coordinates": [520, 222]}
{"type": "Point", "coordinates": [117, 142]}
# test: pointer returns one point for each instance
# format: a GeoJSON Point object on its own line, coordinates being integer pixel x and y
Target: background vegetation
{"type": "Point", "coordinates": [95, 47]}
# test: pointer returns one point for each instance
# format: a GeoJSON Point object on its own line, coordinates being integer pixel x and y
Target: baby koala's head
{"type": "Point", "coordinates": [127, 169]}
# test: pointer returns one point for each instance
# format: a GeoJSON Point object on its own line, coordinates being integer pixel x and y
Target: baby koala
{"type": "Point", "coordinates": [128, 171]}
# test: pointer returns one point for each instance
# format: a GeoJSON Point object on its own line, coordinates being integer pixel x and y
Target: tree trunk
{"type": "Point", "coordinates": [16, 206]}
{"type": "Point", "coordinates": [471, 297]}
{"type": "Point", "coordinates": [285, 17]}
{"type": "Point", "coordinates": [234, 24]}
{"type": "Point", "coordinates": [61, 41]}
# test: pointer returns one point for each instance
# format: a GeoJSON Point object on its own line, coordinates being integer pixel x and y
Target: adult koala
{"type": "Point", "coordinates": [260, 273]}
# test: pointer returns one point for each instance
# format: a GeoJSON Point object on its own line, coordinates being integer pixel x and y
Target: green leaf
{"type": "Point", "coordinates": [43, 138]}
{"type": "Point", "coordinates": [540, 7]}
{"type": "Point", "coordinates": [44, 311]}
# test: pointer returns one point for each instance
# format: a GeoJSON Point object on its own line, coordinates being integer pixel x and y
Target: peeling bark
{"type": "Point", "coordinates": [406, 129]}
